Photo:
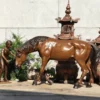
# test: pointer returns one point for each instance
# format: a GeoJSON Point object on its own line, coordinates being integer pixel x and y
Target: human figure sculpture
{"type": "Point", "coordinates": [5, 52]}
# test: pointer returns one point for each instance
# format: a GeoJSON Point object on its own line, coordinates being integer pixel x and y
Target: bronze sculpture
{"type": "Point", "coordinates": [66, 69]}
{"type": "Point", "coordinates": [4, 59]}
{"type": "Point", "coordinates": [50, 48]}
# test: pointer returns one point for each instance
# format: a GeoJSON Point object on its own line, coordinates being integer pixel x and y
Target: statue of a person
{"type": "Point", "coordinates": [4, 59]}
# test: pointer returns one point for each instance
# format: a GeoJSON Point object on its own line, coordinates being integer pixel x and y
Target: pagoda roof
{"type": "Point", "coordinates": [67, 18]}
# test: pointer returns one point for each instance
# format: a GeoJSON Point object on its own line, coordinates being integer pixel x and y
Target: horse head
{"type": "Point", "coordinates": [20, 58]}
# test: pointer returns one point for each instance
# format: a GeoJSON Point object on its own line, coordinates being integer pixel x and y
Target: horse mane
{"type": "Point", "coordinates": [32, 42]}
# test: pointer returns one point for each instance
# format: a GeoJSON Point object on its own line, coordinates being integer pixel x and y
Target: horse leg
{"type": "Point", "coordinates": [36, 78]}
{"type": "Point", "coordinates": [44, 62]}
{"type": "Point", "coordinates": [84, 72]}
{"type": "Point", "coordinates": [47, 76]}
{"type": "Point", "coordinates": [91, 75]}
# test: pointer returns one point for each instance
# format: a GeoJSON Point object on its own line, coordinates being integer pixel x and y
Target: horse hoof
{"type": "Point", "coordinates": [50, 82]}
{"type": "Point", "coordinates": [5, 80]}
{"type": "Point", "coordinates": [76, 86]}
{"type": "Point", "coordinates": [88, 85]}
{"type": "Point", "coordinates": [34, 83]}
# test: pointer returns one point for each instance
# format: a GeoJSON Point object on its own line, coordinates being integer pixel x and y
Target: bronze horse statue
{"type": "Point", "coordinates": [61, 50]}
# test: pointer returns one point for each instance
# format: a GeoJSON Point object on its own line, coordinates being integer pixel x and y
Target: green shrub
{"type": "Point", "coordinates": [22, 75]}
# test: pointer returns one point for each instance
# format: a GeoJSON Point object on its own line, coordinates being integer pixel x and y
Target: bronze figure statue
{"type": "Point", "coordinates": [61, 50]}
{"type": "Point", "coordinates": [4, 59]}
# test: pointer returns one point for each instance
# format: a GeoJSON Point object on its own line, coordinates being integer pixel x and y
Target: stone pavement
{"type": "Point", "coordinates": [25, 91]}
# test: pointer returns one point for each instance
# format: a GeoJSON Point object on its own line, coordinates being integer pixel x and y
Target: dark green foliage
{"type": "Point", "coordinates": [22, 75]}
{"type": "Point", "coordinates": [2, 45]}
{"type": "Point", "coordinates": [51, 71]}
{"type": "Point", "coordinates": [11, 70]}
{"type": "Point", "coordinates": [16, 43]}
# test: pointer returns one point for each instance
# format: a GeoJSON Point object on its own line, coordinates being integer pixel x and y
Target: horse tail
{"type": "Point", "coordinates": [93, 56]}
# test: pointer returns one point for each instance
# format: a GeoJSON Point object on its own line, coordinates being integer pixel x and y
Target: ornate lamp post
{"type": "Point", "coordinates": [67, 24]}
{"type": "Point", "coordinates": [66, 69]}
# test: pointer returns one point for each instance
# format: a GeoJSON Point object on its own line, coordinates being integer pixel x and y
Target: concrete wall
{"type": "Point", "coordinates": [30, 18]}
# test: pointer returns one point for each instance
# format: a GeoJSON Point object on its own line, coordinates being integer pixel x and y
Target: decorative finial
{"type": "Point", "coordinates": [68, 2]}
{"type": "Point", "coordinates": [67, 17]}
{"type": "Point", "coordinates": [68, 11]}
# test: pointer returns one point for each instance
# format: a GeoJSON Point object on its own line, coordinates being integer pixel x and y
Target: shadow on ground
{"type": "Point", "coordinates": [22, 95]}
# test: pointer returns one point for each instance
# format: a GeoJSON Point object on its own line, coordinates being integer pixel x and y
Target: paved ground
{"type": "Point", "coordinates": [25, 91]}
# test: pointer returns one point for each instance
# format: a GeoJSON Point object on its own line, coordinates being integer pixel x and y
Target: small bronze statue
{"type": "Point", "coordinates": [4, 59]}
